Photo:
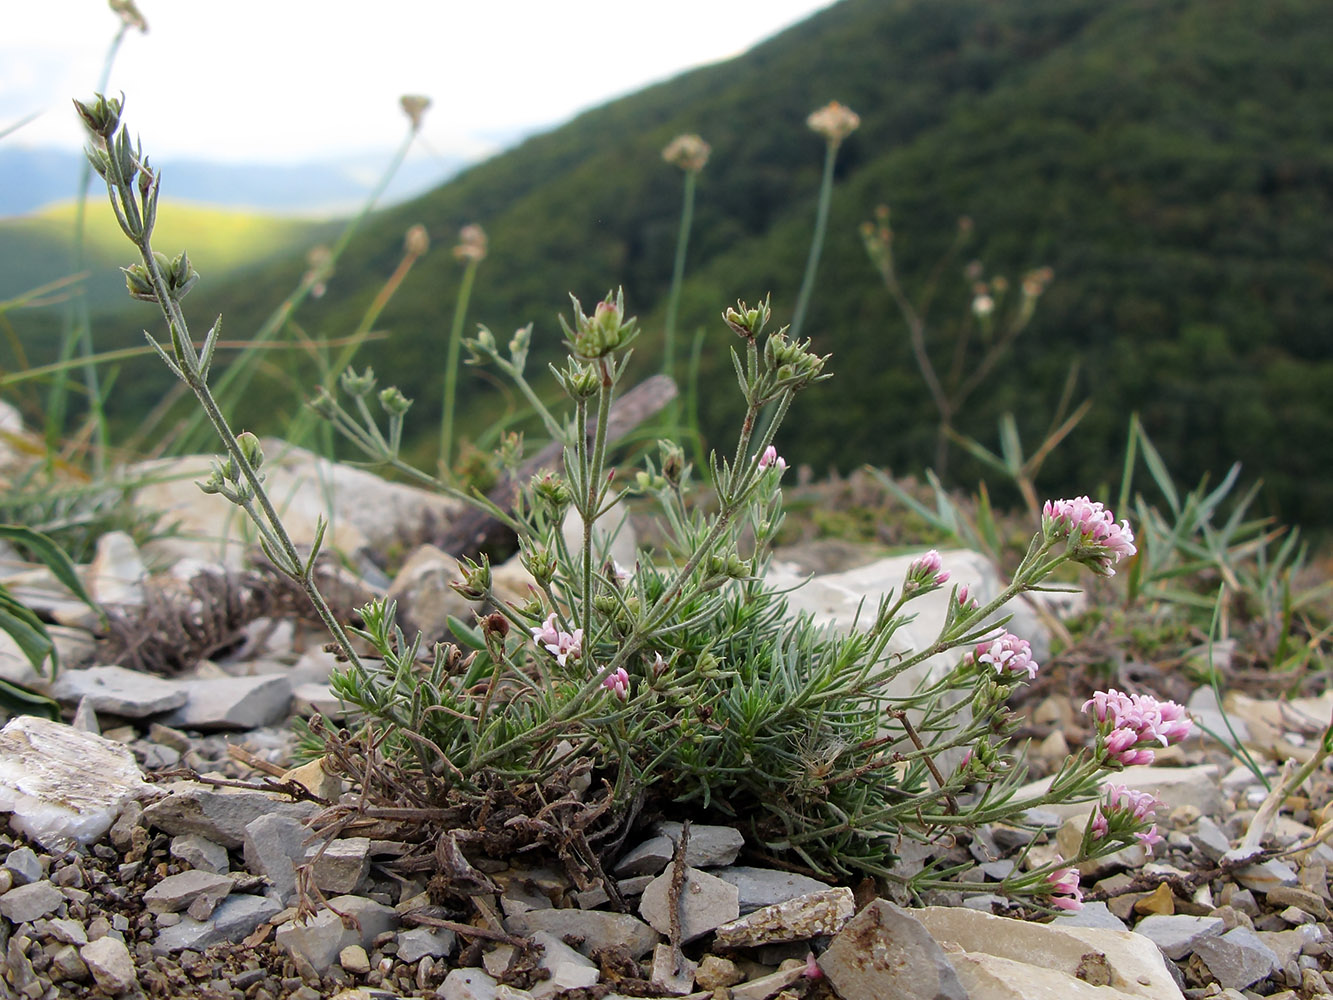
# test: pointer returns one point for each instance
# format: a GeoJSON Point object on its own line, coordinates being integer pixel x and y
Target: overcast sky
{"type": "Point", "coordinates": [290, 81]}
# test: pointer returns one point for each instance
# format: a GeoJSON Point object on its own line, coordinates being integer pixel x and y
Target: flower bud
{"type": "Point", "coordinates": [834, 121]}
{"type": "Point", "coordinates": [358, 385]}
{"type": "Point", "coordinates": [414, 106]}
{"type": "Point", "coordinates": [476, 582]}
{"type": "Point", "coordinates": [417, 241]}
{"type": "Point", "coordinates": [745, 321]}
{"type": "Point", "coordinates": [250, 448]}
{"type": "Point", "coordinates": [550, 489]}
{"type": "Point", "coordinates": [101, 115]}
{"type": "Point", "coordinates": [688, 151]}
{"type": "Point", "coordinates": [540, 562]}
{"type": "Point", "coordinates": [673, 461]}
{"type": "Point", "coordinates": [472, 243]}
{"type": "Point", "coordinates": [395, 404]}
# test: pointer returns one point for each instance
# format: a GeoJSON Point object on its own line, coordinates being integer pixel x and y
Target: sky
{"type": "Point", "coordinates": [298, 81]}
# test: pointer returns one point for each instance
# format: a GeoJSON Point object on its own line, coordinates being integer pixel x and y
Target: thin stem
{"type": "Point", "coordinates": [678, 273]}
{"type": "Point", "coordinates": [817, 241]}
{"type": "Point", "coordinates": [451, 368]}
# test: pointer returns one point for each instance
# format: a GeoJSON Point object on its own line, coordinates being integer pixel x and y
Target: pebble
{"type": "Point", "coordinates": [26, 903]}
{"type": "Point", "coordinates": [1178, 935]}
{"type": "Point", "coordinates": [1238, 958]}
{"type": "Point", "coordinates": [706, 902]}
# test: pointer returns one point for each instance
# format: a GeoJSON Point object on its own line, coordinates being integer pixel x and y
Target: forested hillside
{"type": "Point", "coordinates": [1170, 160]}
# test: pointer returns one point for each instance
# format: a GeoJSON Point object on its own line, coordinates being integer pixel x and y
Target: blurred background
{"type": "Point", "coordinates": [1169, 162]}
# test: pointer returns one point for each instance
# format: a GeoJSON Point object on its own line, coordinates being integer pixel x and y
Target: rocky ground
{"type": "Point", "coordinates": [163, 842]}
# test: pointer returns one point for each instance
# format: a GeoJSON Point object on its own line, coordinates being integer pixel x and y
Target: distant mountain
{"type": "Point", "coordinates": [33, 178]}
{"type": "Point", "coordinates": [1171, 160]}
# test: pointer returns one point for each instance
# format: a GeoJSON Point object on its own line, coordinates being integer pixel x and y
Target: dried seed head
{"type": "Point", "coordinates": [417, 241]}
{"type": "Point", "coordinates": [688, 151]}
{"type": "Point", "coordinates": [414, 106]}
{"type": "Point", "coordinates": [834, 121]}
{"type": "Point", "coordinates": [471, 243]}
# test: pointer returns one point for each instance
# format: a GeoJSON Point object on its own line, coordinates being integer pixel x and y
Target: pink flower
{"type": "Point", "coordinates": [560, 644]}
{"type": "Point", "coordinates": [962, 598]}
{"type": "Point", "coordinates": [617, 683]}
{"type": "Point", "coordinates": [927, 571]}
{"type": "Point", "coordinates": [771, 457]}
{"type": "Point", "coordinates": [1126, 807]}
{"type": "Point", "coordinates": [1127, 723]}
{"type": "Point", "coordinates": [1065, 893]}
{"type": "Point", "coordinates": [1096, 538]}
{"type": "Point", "coordinates": [1008, 652]}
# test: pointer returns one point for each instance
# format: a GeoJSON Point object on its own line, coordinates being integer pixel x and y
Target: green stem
{"type": "Point", "coordinates": [678, 274]}
{"type": "Point", "coordinates": [816, 242]}
{"type": "Point", "coordinates": [451, 369]}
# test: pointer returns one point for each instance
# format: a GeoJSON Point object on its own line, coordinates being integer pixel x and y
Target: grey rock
{"type": "Point", "coordinates": [758, 887]}
{"type": "Point", "coordinates": [274, 846]}
{"type": "Point", "coordinates": [1209, 839]}
{"type": "Point", "coordinates": [1092, 915]}
{"type": "Point", "coordinates": [422, 941]}
{"type": "Point", "coordinates": [1289, 945]}
{"type": "Point", "coordinates": [595, 928]}
{"type": "Point", "coordinates": [60, 783]}
{"type": "Point", "coordinates": [709, 846]}
{"type": "Point", "coordinates": [68, 931]}
{"type": "Point", "coordinates": [1238, 958]}
{"type": "Point", "coordinates": [1178, 935]}
{"type": "Point", "coordinates": [85, 720]}
{"type": "Point", "coordinates": [706, 902]}
{"type": "Point", "coordinates": [473, 984]}
{"type": "Point", "coordinates": [817, 914]}
{"type": "Point", "coordinates": [1267, 876]}
{"type": "Point", "coordinates": [425, 599]}
{"type": "Point", "coordinates": [25, 903]}
{"type": "Point", "coordinates": [200, 853]}
{"type": "Point", "coordinates": [22, 863]}
{"type": "Point", "coordinates": [319, 940]}
{"type": "Point", "coordinates": [114, 690]}
{"type": "Point", "coordinates": [343, 865]}
{"type": "Point", "coordinates": [671, 971]}
{"type": "Point", "coordinates": [67, 965]}
{"type": "Point", "coordinates": [177, 892]}
{"type": "Point", "coordinates": [111, 965]}
{"type": "Point", "coordinates": [218, 815]}
{"type": "Point", "coordinates": [234, 703]}
{"type": "Point", "coordinates": [883, 952]}
{"type": "Point", "coordinates": [648, 858]}
{"type": "Point", "coordinates": [235, 917]}
{"type": "Point", "coordinates": [568, 969]}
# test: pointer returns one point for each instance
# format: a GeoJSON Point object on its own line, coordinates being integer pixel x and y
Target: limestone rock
{"type": "Point", "coordinates": [113, 690]}
{"type": "Point", "coordinates": [706, 902]}
{"type": "Point", "coordinates": [759, 887]}
{"type": "Point", "coordinates": [883, 952]}
{"type": "Point", "coordinates": [200, 853]}
{"type": "Point", "coordinates": [60, 782]}
{"type": "Point", "coordinates": [425, 599]}
{"type": "Point", "coordinates": [709, 846]}
{"type": "Point", "coordinates": [274, 846]}
{"type": "Point", "coordinates": [813, 915]}
{"type": "Point", "coordinates": [418, 942]}
{"type": "Point", "coordinates": [1238, 958]}
{"type": "Point", "coordinates": [595, 928]}
{"type": "Point", "coordinates": [671, 972]}
{"type": "Point", "coordinates": [235, 917]}
{"type": "Point", "coordinates": [116, 574]}
{"type": "Point", "coordinates": [342, 866]}
{"type": "Point", "coordinates": [219, 815]}
{"type": "Point", "coordinates": [569, 970]}
{"type": "Point", "coordinates": [1131, 962]}
{"type": "Point", "coordinates": [989, 977]}
{"type": "Point", "coordinates": [110, 963]}
{"type": "Point", "coordinates": [321, 939]}
{"type": "Point", "coordinates": [647, 858]}
{"type": "Point", "coordinates": [26, 903]}
{"type": "Point", "coordinates": [177, 892]}
{"type": "Point", "coordinates": [1178, 935]}
{"type": "Point", "coordinates": [234, 703]}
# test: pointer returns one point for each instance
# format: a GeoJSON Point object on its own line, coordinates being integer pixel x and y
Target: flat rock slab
{"type": "Point", "coordinates": [989, 977]}
{"type": "Point", "coordinates": [113, 690]}
{"type": "Point", "coordinates": [595, 928]}
{"type": "Point", "coordinates": [814, 915]}
{"type": "Point", "coordinates": [709, 846]}
{"type": "Point", "coordinates": [62, 783]}
{"type": "Point", "coordinates": [234, 703]}
{"type": "Point", "coordinates": [235, 918]}
{"type": "Point", "coordinates": [30, 902]}
{"type": "Point", "coordinates": [1122, 960]}
{"type": "Point", "coordinates": [321, 939]}
{"type": "Point", "coordinates": [706, 902]}
{"type": "Point", "coordinates": [220, 815]}
{"type": "Point", "coordinates": [759, 887]}
{"type": "Point", "coordinates": [176, 892]}
{"type": "Point", "coordinates": [1238, 958]}
{"type": "Point", "coordinates": [1177, 935]}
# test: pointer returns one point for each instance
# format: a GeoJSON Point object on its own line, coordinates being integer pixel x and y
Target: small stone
{"type": "Point", "coordinates": [68, 931]}
{"type": "Point", "coordinates": [274, 846]}
{"type": "Point", "coordinates": [219, 815]}
{"type": "Point", "coordinates": [177, 892]}
{"type": "Point", "coordinates": [1302, 899]}
{"type": "Point", "coordinates": [111, 690]}
{"type": "Point", "coordinates": [26, 903]}
{"type": "Point", "coordinates": [420, 942]}
{"type": "Point", "coordinates": [67, 965]}
{"type": "Point", "coordinates": [1209, 839]}
{"type": "Point", "coordinates": [234, 703]}
{"type": "Point", "coordinates": [569, 970]}
{"type": "Point", "coordinates": [22, 863]}
{"type": "Point", "coordinates": [759, 887]}
{"type": "Point", "coordinates": [1160, 901]}
{"type": "Point", "coordinates": [314, 776]}
{"type": "Point", "coordinates": [706, 902]}
{"type": "Point", "coordinates": [799, 919]}
{"type": "Point", "coordinates": [1267, 876]}
{"type": "Point", "coordinates": [342, 866]}
{"type": "Point", "coordinates": [468, 984]}
{"type": "Point", "coordinates": [1096, 914]}
{"type": "Point", "coordinates": [671, 972]}
{"type": "Point", "coordinates": [1238, 958]}
{"type": "Point", "coordinates": [648, 858]}
{"type": "Point", "coordinates": [709, 846]}
{"type": "Point", "coordinates": [111, 965]}
{"type": "Point", "coordinates": [884, 952]}
{"type": "Point", "coordinates": [353, 958]}
{"type": "Point", "coordinates": [235, 917]}
{"type": "Point", "coordinates": [1178, 935]}
{"type": "Point", "coordinates": [320, 939]}
{"type": "Point", "coordinates": [594, 929]}
{"type": "Point", "coordinates": [714, 973]}
{"type": "Point", "coordinates": [200, 853]}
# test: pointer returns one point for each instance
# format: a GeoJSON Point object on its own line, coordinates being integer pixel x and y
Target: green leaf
{"type": "Point", "coordinates": [55, 559]}
{"type": "Point", "coordinates": [27, 631]}
{"type": "Point", "coordinates": [18, 700]}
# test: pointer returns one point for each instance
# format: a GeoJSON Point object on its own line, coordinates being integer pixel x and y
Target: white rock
{"type": "Point", "coordinates": [1133, 963]}
{"type": "Point", "coordinates": [989, 977]}
{"type": "Point", "coordinates": [61, 783]}
{"type": "Point", "coordinates": [116, 574]}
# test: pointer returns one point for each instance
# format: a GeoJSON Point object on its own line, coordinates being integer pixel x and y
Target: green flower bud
{"type": "Point", "coordinates": [747, 322]}
{"type": "Point", "coordinates": [101, 115]}
{"type": "Point", "coordinates": [551, 490]}
{"type": "Point", "coordinates": [138, 283]}
{"type": "Point", "coordinates": [358, 385]}
{"type": "Point", "coordinates": [250, 448]}
{"type": "Point", "coordinates": [605, 331]}
{"type": "Point", "coordinates": [540, 562]}
{"type": "Point", "coordinates": [476, 582]}
{"type": "Point", "coordinates": [394, 402]}
{"type": "Point", "coordinates": [673, 461]}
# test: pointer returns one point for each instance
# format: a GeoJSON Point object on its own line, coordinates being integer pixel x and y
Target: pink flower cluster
{"type": "Point", "coordinates": [1065, 893]}
{"type": "Point", "coordinates": [617, 683]}
{"type": "Point", "coordinates": [560, 644]}
{"type": "Point", "coordinates": [1128, 805]}
{"type": "Point", "coordinates": [771, 457]}
{"type": "Point", "coordinates": [1129, 722]}
{"type": "Point", "coordinates": [927, 571]}
{"type": "Point", "coordinates": [1100, 540]}
{"type": "Point", "coordinates": [1008, 652]}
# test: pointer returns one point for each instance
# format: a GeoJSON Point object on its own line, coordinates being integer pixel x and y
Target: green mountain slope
{"type": "Point", "coordinates": [1169, 159]}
